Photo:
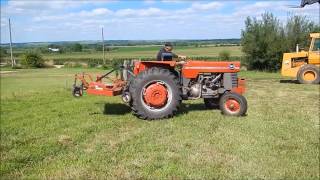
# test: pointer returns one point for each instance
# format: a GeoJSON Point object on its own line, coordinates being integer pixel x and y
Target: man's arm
{"type": "Point", "coordinates": [178, 56]}
{"type": "Point", "coordinates": [175, 55]}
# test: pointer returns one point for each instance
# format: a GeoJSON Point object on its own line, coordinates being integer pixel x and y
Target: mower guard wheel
{"type": "Point", "coordinates": [77, 91]}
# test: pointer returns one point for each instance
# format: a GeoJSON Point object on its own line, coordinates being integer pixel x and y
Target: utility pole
{"type": "Point", "coordinates": [104, 62]}
{"type": "Point", "coordinates": [12, 60]}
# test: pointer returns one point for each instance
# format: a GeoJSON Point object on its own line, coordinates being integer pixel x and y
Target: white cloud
{"type": "Point", "coordinates": [95, 12]}
{"type": "Point", "coordinates": [282, 9]}
{"type": "Point", "coordinates": [206, 6]}
{"type": "Point", "coordinates": [175, 1]}
{"type": "Point", "coordinates": [149, 1]}
{"type": "Point", "coordinates": [37, 7]}
{"type": "Point", "coordinates": [139, 12]}
{"type": "Point", "coordinates": [200, 7]}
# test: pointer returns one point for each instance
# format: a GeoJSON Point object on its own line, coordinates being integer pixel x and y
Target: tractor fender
{"type": "Point", "coordinates": [140, 66]}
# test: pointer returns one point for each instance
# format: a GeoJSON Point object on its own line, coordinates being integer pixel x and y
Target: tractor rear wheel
{"type": "Point", "coordinates": [211, 103]}
{"type": "Point", "coordinates": [233, 104]}
{"type": "Point", "coordinates": [155, 93]}
{"type": "Point", "coordinates": [309, 74]}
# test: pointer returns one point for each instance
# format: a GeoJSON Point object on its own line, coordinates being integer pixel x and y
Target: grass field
{"type": "Point", "coordinates": [46, 133]}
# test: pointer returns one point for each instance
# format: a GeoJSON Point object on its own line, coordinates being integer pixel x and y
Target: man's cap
{"type": "Point", "coordinates": [168, 44]}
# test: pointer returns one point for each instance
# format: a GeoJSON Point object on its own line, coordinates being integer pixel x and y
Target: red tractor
{"type": "Point", "coordinates": [155, 89]}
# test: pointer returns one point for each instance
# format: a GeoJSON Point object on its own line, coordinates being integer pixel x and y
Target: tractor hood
{"type": "Point", "coordinates": [287, 56]}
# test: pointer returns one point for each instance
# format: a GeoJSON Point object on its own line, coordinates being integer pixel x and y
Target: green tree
{"type": "Point", "coordinates": [297, 30]}
{"type": "Point", "coordinates": [42, 50]}
{"type": "Point", "coordinates": [262, 42]}
{"type": "Point", "coordinates": [98, 47]}
{"type": "Point", "coordinates": [54, 46]}
{"type": "Point", "coordinates": [77, 47]}
{"type": "Point", "coordinates": [32, 59]}
{"type": "Point", "coordinates": [3, 52]}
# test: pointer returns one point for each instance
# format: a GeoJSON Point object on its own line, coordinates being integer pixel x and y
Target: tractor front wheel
{"type": "Point", "coordinates": [156, 94]}
{"type": "Point", "coordinates": [233, 104]}
{"type": "Point", "coordinates": [309, 74]}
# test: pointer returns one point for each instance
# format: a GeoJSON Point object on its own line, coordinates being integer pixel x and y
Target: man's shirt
{"type": "Point", "coordinates": [163, 55]}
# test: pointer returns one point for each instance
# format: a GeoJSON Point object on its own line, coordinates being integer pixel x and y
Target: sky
{"type": "Point", "coordinates": [72, 20]}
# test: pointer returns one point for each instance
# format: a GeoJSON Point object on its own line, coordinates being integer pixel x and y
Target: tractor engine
{"type": "Point", "coordinates": [206, 85]}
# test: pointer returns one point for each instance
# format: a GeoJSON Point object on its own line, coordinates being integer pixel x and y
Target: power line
{"type": "Point", "coordinates": [12, 60]}
{"type": "Point", "coordinates": [103, 45]}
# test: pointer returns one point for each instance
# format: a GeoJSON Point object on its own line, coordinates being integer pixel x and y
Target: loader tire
{"type": "Point", "coordinates": [309, 74]}
{"type": "Point", "coordinates": [233, 104]}
{"type": "Point", "coordinates": [156, 94]}
{"type": "Point", "coordinates": [211, 103]}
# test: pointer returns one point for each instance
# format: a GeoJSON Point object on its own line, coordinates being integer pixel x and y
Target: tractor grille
{"type": "Point", "coordinates": [234, 78]}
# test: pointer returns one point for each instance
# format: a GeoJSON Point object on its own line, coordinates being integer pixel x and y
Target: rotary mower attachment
{"type": "Point", "coordinates": [84, 82]}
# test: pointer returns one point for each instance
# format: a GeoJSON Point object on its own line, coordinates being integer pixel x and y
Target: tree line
{"type": "Point", "coordinates": [265, 40]}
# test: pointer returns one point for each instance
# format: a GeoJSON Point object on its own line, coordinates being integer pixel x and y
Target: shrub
{"type": "Point", "coordinates": [73, 65]}
{"type": "Point", "coordinates": [32, 59]}
{"type": "Point", "coordinates": [94, 63]}
{"type": "Point", "coordinates": [224, 55]}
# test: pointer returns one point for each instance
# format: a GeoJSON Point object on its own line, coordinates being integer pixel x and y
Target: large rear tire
{"type": "Point", "coordinates": [156, 94]}
{"type": "Point", "coordinates": [309, 74]}
{"type": "Point", "coordinates": [233, 104]}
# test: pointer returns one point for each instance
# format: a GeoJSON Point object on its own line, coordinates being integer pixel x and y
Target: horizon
{"type": "Point", "coordinates": [156, 40]}
{"type": "Point", "coordinates": [41, 22]}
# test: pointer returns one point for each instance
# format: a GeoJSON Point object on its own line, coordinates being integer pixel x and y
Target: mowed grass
{"type": "Point", "coordinates": [148, 52]}
{"type": "Point", "coordinates": [46, 133]}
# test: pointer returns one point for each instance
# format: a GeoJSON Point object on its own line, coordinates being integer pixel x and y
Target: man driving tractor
{"type": "Point", "coordinates": [166, 54]}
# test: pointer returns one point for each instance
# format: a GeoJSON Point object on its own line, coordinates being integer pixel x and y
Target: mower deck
{"type": "Point", "coordinates": [98, 88]}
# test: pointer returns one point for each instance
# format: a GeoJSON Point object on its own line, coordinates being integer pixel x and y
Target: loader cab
{"type": "Point", "coordinates": [314, 50]}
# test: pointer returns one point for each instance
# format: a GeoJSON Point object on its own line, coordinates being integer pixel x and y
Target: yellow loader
{"type": "Point", "coordinates": [304, 65]}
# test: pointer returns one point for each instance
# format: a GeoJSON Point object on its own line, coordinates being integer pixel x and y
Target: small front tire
{"type": "Point", "coordinates": [233, 104]}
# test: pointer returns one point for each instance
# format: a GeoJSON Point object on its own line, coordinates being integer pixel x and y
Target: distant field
{"type": "Point", "coordinates": [48, 134]}
{"type": "Point", "coordinates": [147, 52]}
{"type": "Point", "coordinates": [136, 52]}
